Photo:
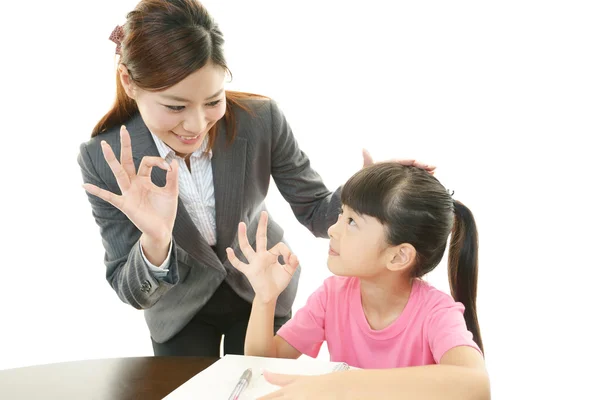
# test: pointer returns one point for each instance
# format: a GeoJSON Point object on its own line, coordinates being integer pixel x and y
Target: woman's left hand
{"type": "Point", "coordinates": [368, 160]}
{"type": "Point", "coordinates": [301, 387]}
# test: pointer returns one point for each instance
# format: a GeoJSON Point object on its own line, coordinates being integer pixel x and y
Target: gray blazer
{"type": "Point", "coordinates": [264, 147]}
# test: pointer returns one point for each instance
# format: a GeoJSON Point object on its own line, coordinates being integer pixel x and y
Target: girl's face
{"type": "Point", "coordinates": [357, 245]}
{"type": "Point", "coordinates": [182, 115]}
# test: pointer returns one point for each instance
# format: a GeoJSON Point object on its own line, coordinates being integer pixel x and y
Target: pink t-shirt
{"type": "Point", "coordinates": [431, 324]}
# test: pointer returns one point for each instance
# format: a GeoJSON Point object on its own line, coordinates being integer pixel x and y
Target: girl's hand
{"type": "Point", "coordinates": [266, 275]}
{"type": "Point", "coordinates": [298, 387]}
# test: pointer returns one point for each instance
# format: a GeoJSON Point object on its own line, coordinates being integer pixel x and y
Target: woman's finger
{"type": "Point", "coordinates": [405, 161]}
{"type": "Point", "coordinates": [367, 159]}
{"type": "Point", "coordinates": [126, 153]}
{"type": "Point", "coordinates": [105, 195]}
{"type": "Point", "coordinates": [424, 166]}
{"type": "Point", "coordinates": [414, 163]}
{"type": "Point", "coordinates": [117, 169]}
{"type": "Point", "coordinates": [148, 162]}
{"type": "Point", "coordinates": [173, 178]}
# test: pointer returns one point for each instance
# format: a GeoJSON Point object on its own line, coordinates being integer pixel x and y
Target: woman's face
{"type": "Point", "coordinates": [182, 115]}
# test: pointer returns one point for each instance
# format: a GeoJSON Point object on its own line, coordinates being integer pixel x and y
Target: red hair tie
{"type": "Point", "coordinates": [117, 37]}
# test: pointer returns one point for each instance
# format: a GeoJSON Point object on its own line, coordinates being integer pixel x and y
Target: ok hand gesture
{"type": "Point", "coordinates": [151, 208]}
{"type": "Point", "coordinates": [266, 275]}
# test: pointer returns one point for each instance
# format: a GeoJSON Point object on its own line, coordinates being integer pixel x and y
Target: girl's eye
{"type": "Point", "coordinates": [351, 221]}
{"type": "Point", "coordinates": [175, 108]}
{"type": "Point", "coordinates": [213, 103]}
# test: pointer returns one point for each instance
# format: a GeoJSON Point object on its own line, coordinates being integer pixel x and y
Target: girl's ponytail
{"type": "Point", "coordinates": [463, 266]}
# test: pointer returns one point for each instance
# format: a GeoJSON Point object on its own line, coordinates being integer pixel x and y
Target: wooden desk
{"type": "Point", "coordinates": [144, 378]}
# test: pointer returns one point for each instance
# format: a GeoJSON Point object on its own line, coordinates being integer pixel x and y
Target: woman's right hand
{"type": "Point", "coordinates": [151, 208]}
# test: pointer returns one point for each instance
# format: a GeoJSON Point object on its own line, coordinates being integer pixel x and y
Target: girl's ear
{"type": "Point", "coordinates": [402, 257]}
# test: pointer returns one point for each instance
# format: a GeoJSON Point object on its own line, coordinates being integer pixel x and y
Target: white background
{"type": "Point", "coordinates": [502, 96]}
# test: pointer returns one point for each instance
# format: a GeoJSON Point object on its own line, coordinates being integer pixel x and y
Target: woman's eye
{"type": "Point", "coordinates": [175, 108]}
{"type": "Point", "coordinates": [213, 103]}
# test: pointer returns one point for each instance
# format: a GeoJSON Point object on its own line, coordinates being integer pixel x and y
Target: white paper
{"type": "Point", "coordinates": [218, 381]}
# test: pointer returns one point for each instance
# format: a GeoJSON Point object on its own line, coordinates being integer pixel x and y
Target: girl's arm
{"type": "Point", "coordinates": [268, 279]}
{"type": "Point", "coordinates": [259, 335]}
{"type": "Point", "coordinates": [461, 375]}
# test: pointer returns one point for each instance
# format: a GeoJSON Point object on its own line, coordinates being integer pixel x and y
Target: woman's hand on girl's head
{"type": "Point", "coordinates": [266, 275]}
{"type": "Point", "coordinates": [151, 208]}
{"type": "Point", "coordinates": [368, 160]}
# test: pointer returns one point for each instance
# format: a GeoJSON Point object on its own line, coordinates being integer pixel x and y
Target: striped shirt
{"type": "Point", "coordinates": [197, 192]}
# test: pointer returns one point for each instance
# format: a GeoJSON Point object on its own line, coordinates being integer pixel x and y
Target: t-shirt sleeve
{"type": "Point", "coordinates": [305, 331]}
{"type": "Point", "coordinates": [448, 329]}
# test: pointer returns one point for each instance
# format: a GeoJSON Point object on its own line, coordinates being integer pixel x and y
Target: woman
{"type": "Point", "coordinates": [204, 158]}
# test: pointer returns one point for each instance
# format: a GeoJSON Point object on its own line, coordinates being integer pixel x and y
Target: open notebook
{"type": "Point", "coordinates": [217, 381]}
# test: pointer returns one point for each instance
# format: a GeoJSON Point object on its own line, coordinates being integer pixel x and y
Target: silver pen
{"type": "Point", "coordinates": [241, 385]}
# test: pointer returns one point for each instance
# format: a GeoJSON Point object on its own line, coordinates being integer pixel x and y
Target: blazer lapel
{"type": "Point", "coordinates": [229, 169]}
{"type": "Point", "coordinates": [185, 232]}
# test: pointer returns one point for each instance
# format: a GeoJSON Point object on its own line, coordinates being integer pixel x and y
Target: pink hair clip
{"type": "Point", "coordinates": [117, 37]}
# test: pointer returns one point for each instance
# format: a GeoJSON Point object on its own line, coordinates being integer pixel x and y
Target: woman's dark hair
{"type": "Point", "coordinates": [415, 208]}
{"type": "Point", "coordinates": [163, 42]}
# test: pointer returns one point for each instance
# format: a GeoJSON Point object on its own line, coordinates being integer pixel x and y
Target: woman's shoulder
{"type": "Point", "coordinates": [111, 136]}
{"type": "Point", "coordinates": [248, 102]}
{"type": "Point", "coordinates": [257, 117]}
{"type": "Point", "coordinates": [108, 136]}
{"type": "Point", "coordinates": [254, 106]}
{"type": "Point", "coordinates": [90, 151]}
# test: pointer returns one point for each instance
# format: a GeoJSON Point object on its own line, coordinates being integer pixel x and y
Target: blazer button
{"type": "Point", "coordinates": [145, 286]}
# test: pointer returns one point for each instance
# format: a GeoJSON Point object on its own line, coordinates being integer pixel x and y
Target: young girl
{"type": "Point", "coordinates": [376, 312]}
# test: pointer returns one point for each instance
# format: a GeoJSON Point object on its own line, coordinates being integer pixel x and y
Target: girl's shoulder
{"type": "Point", "coordinates": [431, 298]}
